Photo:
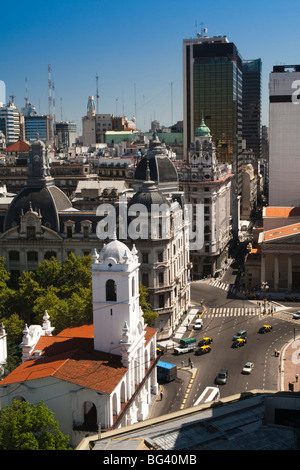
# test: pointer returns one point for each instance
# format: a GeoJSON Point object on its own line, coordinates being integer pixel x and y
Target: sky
{"type": "Point", "coordinates": [135, 49]}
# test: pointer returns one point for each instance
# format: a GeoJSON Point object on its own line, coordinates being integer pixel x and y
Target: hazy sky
{"type": "Point", "coordinates": [134, 47]}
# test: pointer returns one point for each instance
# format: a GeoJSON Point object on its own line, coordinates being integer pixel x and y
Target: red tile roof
{"type": "Point", "coordinates": [71, 356]}
{"type": "Point", "coordinates": [18, 146]}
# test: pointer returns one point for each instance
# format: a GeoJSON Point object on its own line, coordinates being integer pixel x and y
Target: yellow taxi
{"type": "Point", "coordinates": [265, 329]}
{"type": "Point", "coordinates": [203, 350]}
{"type": "Point", "coordinates": [239, 342]}
{"type": "Point", "coordinates": [205, 340]}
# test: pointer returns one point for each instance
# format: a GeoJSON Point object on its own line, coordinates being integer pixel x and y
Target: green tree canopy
{"type": "Point", "coordinates": [148, 314]}
{"type": "Point", "coordinates": [30, 427]}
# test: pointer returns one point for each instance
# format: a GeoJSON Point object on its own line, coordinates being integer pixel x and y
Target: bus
{"type": "Point", "coordinates": [209, 394]}
{"type": "Point", "coordinates": [166, 372]}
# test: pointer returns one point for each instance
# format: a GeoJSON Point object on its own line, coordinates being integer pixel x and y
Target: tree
{"type": "Point", "coordinates": [5, 291]}
{"type": "Point", "coordinates": [30, 427]}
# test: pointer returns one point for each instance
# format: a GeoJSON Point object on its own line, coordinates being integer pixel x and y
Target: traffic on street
{"type": "Point", "coordinates": [235, 347]}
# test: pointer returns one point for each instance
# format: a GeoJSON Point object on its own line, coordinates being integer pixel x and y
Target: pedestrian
{"type": "Point", "coordinates": [296, 377]}
{"type": "Point", "coordinates": [182, 363]}
{"type": "Point", "coordinates": [161, 395]}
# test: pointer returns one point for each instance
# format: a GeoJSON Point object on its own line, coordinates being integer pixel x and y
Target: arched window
{"type": "Point", "coordinates": [111, 290]}
{"type": "Point", "coordinates": [50, 254]}
{"type": "Point", "coordinates": [133, 287]}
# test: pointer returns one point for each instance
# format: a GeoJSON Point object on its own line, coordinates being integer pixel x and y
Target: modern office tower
{"type": "Point", "coordinates": [2, 93]}
{"type": "Point", "coordinates": [65, 135]}
{"type": "Point", "coordinates": [39, 125]}
{"type": "Point", "coordinates": [252, 105]}
{"type": "Point", "coordinates": [284, 136]}
{"type": "Point", "coordinates": [212, 90]}
{"type": "Point", "coordinates": [10, 123]}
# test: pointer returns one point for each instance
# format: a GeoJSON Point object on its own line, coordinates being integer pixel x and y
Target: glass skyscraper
{"type": "Point", "coordinates": [38, 125]}
{"type": "Point", "coordinates": [252, 105]}
{"type": "Point", "coordinates": [212, 82]}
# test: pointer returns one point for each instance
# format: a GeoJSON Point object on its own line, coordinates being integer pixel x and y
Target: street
{"type": "Point", "coordinates": [223, 317]}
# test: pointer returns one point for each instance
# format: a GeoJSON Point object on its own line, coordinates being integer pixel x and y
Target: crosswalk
{"type": "Point", "coordinates": [220, 284]}
{"type": "Point", "coordinates": [231, 312]}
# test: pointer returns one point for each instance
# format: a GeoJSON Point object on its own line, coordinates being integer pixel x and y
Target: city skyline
{"type": "Point", "coordinates": [135, 50]}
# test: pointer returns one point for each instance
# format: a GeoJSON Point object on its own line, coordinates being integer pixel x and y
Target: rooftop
{"type": "Point", "coordinates": [70, 356]}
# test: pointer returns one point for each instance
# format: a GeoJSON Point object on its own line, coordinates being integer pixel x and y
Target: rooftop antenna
{"type": "Point", "coordinates": [49, 90]}
{"type": "Point", "coordinates": [203, 31]}
{"type": "Point", "coordinates": [53, 102]}
{"type": "Point", "coordinates": [61, 111]}
{"type": "Point", "coordinates": [135, 102]}
{"type": "Point", "coordinates": [97, 94]}
{"type": "Point", "coordinates": [171, 103]}
{"type": "Point", "coordinates": [26, 94]}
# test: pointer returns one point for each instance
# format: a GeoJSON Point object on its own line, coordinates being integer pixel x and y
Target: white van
{"type": "Point", "coordinates": [198, 324]}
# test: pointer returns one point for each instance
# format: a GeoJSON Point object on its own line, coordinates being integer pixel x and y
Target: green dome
{"type": "Point", "coordinates": [202, 130]}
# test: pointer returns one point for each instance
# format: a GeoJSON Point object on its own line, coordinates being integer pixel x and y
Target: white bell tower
{"type": "Point", "coordinates": [117, 317]}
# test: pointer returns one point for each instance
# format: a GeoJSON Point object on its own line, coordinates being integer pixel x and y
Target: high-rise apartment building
{"type": "Point", "coordinates": [252, 105]}
{"type": "Point", "coordinates": [212, 90]}
{"type": "Point", "coordinates": [2, 93]}
{"type": "Point", "coordinates": [10, 123]}
{"type": "Point", "coordinates": [284, 136]}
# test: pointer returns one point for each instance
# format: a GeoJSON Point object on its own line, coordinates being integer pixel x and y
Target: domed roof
{"type": "Point", "coordinates": [148, 194]}
{"type": "Point", "coordinates": [202, 130]}
{"type": "Point", "coordinates": [162, 169]}
{"type": "Point", "coordinates": [40, 192]}
{"type": "Point", "coordinates": [48, 200]}
{"type": "Point", "coordinates": [115, 250]}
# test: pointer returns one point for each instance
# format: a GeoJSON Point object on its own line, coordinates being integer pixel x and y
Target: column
{"type": "Point", "coordinates": [290, 273]}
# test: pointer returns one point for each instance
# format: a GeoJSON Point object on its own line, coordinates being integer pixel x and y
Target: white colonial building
{"type": "Point", "coordinates": [98, 376]}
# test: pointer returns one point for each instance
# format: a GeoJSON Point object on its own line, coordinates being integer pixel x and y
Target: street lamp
{"type": "Point", "coordinates": [265, 287]}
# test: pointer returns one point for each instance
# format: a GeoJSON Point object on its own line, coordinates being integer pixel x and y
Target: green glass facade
{"type": "Point", "coordinates": [214, 93]}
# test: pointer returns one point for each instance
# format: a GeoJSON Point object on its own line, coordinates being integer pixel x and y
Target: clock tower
{"type": "Point", "coordinates": [203, 155]}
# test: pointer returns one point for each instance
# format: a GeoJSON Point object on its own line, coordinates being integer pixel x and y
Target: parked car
{"type": "Point", "coordinates": [203, 350]}
{"type": "Point", "coordinates": [248, 368]}
{"type": "Point", "coordinates": [239, 342]}
{"type": "Point", "coordinates": [222, 377]}
{"type": "Point", "coordinates": [205, 340]}
{"type": "Point", "coordinates": [198, 324]}
{"type": "Point", "coordinates": [265, 329]}
{"type": "Point", "coordinates": [296, 315]}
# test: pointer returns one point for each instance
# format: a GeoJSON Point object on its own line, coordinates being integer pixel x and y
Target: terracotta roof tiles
{"type": "Point", "coordinates": [18, 146]}
{"type": "Point", "coordinates": [71, 356]}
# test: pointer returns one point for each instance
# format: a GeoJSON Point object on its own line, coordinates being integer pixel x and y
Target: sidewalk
{"type": "Point", "coordinates": [290, 366]}
{"type": "Point", "coordinates": [173, 342]}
